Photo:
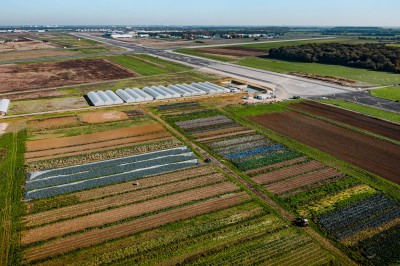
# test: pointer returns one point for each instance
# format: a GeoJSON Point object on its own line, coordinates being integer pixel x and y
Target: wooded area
{"type": "Point", "coordinates": [370, 56]}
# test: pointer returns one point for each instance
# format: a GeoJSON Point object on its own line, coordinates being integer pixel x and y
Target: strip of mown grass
{"type": "Point", "coordinates": [357, 74]}
{"type": "Point", "coordinates": [259, 109]}
{"type": "Point", "coordinates": [205, 55]}
{"type": "Point", "coordinates": [147, 66]}
{"type": "Point", "coordinates": [387, 115]}
{"type": "Point", "coordinates": [391, 93]}
{"type": "Point", "coordinates": [12, 177]}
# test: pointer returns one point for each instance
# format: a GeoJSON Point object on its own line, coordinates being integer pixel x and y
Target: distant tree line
{"type": "Point", "coordinates": [370, 56]}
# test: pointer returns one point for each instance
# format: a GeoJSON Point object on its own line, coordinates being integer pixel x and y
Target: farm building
{"type": "Point", "coordinates": [134, 95]}
{"type": "Point", "coordinates": [95, 99]}
{"type": "Point", "coordinates": [183, 93]}
{"type": "Point", "coordinates": [114, 97]}
{"type": "Point", "coordinates": [200, 92]}
{"type": "Point", "coordinates": [125, 96]}
{"type": "Point", "coordinates": [216, 86]}
{"type": "Point", "coordinates": [156, 95]}
{"type": "Point", "coordinates": [191, 91]}
{"type": "Point", "coordinates": [173, 93]}
{"type": "Point", "coordinates": [4, 104]}
{"type": "Point", "coordinates": [166, 95]}
{"type": "Point", "coordinates": [145, 95]}
{"type": "Point", "coordinates": [103, 96]}
{"type": "Point", "coordinates": [204, 88]}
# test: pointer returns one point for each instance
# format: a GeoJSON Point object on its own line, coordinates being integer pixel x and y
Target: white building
{"type": "Point", "coordinates": [4, 104]}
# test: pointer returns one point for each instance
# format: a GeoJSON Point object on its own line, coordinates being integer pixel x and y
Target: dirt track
{"type": "Point", "coordinates": [371, 124]}
{"type": "Point", "coordinates": [22, 77]}
{"type": "Point", "coordinates": [377, 156]}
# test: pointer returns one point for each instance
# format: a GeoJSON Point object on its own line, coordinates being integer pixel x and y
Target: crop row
{"type": "Point", "coordinates": [355, 212]}
{"type": "Point", "coordinates": [109, 180]}
{"type": "Point", "coordinates": [178, 105]}
{"type": "Point", "coordinates": [221, 120]}
{"type": "Point", "coordinates": [106, 171]}
{"type": "Point", "coordinates": [242, 147]}
{"type": "Point", "coordinates": [188, 123]}
{"type": "Point", "coordinates": [109, 163]}
{"type": "Point", "coordinates": [210, 128]}
{"type": "Point", "coordinates": [274, 157]}
{"type": "Point", "coordinates": [235, 140]}
{"type": "Point", "coordinates": [253, 152]}
{"type": "Point", "coordinates": [375, 221]}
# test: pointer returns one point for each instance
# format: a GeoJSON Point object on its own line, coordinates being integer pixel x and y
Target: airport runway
{"type": "Point", "coordinates": [282, 83]}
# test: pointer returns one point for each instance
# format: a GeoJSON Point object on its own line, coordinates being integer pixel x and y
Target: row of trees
{"type": "Point", "coordinates": [371, 55]}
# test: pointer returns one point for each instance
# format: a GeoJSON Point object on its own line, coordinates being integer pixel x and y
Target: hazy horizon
{"type": "Point", "coordinates": [311, 13]}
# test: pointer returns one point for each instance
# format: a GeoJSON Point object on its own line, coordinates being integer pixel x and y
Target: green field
{"type": "Point", "coordinates": [205, 55]}
{"type": "Point", "coordinates": [362, 75]}
{"type": "Point", "coordinates": [391, 93]}
{"type": "Point", "coordinates": [64, 39]}
{"type": "Point", "coordinates": [366, 110]}
{"type": "Point", "coordinates": [12, 177]}
{"type": "Point", "coordinates": [147, 66]}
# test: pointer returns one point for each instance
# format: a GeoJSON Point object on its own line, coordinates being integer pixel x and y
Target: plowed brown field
{"type": "Point", "coordinates": [118, 214]}
{"type": "Point", "coordinates": [98, 146]}
{"type": "Point", "coordinates": [45, 144]}
{"type": "Point", "coordinates": [97, 236]}
{"type": "Point", "coordinates": [20, 77]}
{"type": "Point", "coordinates": [119, 200]}
{"type": "Point", "coordinates": [55, 122]}
{"type": "Point", "coordinates": [374, 125]}
{"type": "Point", "coordinates": [288, 172]}
{"type": "Point", "coordinates": [303, 180]}
{"type": "Point", "coordinates": [375, 155]}
{"type": "Point", "coordinates": [104, 116]}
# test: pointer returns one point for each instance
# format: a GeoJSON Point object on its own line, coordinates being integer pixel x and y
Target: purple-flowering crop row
{"type": "Point", "coordinates": [108, 180]}
{"type": "Point", "coordinates": [234, 141]}
{"type": "Point", "coordinates": [185, 123]}
{"type": "Point", "coordinates": [242, 147]}
{"type": "Point", "coordinates": [207, 123]}
{"type": "Point", "coordinates": [253, 152]}
{"type": "Point", "coordinates": [212, 127]}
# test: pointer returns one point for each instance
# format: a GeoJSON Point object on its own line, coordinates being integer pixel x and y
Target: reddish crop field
{"type": "Point", "coordinates": [375, 155]}
{"type": "Point", "coordinates": [374, 125]}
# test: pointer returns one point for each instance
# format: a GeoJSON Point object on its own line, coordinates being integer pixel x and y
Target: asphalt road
{"type": "Point", "coordinates": [363, 97]}
{"type": "Point", "coordinates": [290, 85]}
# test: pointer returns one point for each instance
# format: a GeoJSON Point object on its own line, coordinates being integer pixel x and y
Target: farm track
{"type": "Point", "coordinates": [288, 172]}
{"type": "Point", "coordinates": [119, 200]}
{"type": "Point", "coordinates": [303, 180]}
{"type": "Point", "coordinates": [374, 125]}
{"type": "Point", "coordinates": [276, 166]}
{"type": "Point", "coordinates": [46, 144]}
{"type": "Point", "coordinates": [96, 236]}
{"type": "Point", "coordinates": [59, 154]}
{"type": "Point", "coordinates": [375, 155]}
{"type": "Point", "coordinates": [118, 214]}
{"type": "Point", "coordinates": [226, 135]}
{"type": "Point", "coordinates": [335, 251]}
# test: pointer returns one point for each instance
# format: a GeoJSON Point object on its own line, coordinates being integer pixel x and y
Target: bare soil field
{"type": "Point", "coordinates": [118, 214]}
{"type": "Point", "coordinates": [35, 95]}
{"type": "Point", "coordinates": [302, 180]}
{"type": "Point", "coordinates": [45, 105]}
{"type": "Point", "coordinates": [33, 54]}
{"type": "Point", "coordinates": [375, 155]}
{"type": "Point", "coordinates": [25, 45]}
{"type": "Point", "coordinates": [56, 74]}
{"type": "Point", "coordinates": [46, 144]}
{"type": "Point", "coordinates": [364, 122]}
{"type": "Point", "coordinates": [97, 147]}
{"type": "Point", "coordinates": [276, 166]}
{"type": "Point", "coordinates": [119, 200]}
{"type": "Point", "coordinates": [288, 172]}
{"type": "Point", "coordinates": [97, 236]}
{"type": "Point", "coordinates": [103, 116]}
{"type": "Point", "coordinates": [53, 123]}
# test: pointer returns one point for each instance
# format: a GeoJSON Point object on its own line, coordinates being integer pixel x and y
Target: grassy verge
{"type": "Point", "coordinates": [357, 74]}
{"type": "Point", "coordinates": [12, 177]}
{"type": "Point", "coordinates": [365, 110]}
{"type": "Point", "coordinates": [205, 55]}
{"type": "Point", "coordinates": [147, 66]}
{"type": "Point", "coordinates": [391, 93]}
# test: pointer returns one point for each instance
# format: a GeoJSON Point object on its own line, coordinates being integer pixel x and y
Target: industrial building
{"type": "Point", "coordinates": [4, 105]}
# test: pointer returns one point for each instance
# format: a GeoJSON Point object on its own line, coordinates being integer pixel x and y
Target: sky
{"type": "Point", "coordinates": [201, 12]}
